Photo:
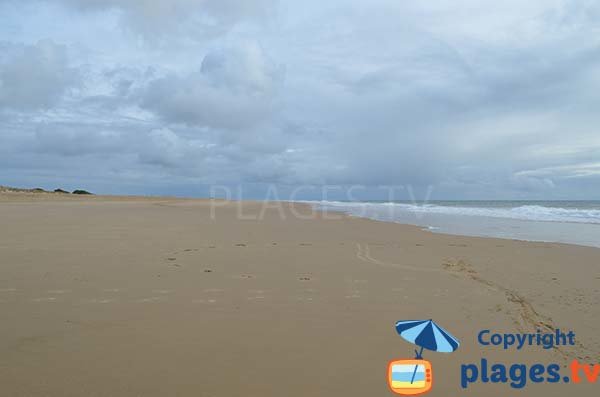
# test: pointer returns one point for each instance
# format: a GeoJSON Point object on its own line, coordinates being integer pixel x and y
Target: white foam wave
{"type": "Point", "coordinates": [524, 212]}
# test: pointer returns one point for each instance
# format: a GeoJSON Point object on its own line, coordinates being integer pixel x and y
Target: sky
{"type": "Point", "coordinates": [452, 99]}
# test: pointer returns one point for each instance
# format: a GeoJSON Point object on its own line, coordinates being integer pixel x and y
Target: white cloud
{"type": "Point", "coordinates": [35, 76]}
{"type": "Point", "coordinates": [169, 17]}
{"type": "Point", "coordinates": [234, 88]}
{"type": "Point", "coordinates": [457, 95]}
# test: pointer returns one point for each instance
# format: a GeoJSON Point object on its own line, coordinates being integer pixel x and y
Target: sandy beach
{"type": "Point", "coordinates": [110, 296]}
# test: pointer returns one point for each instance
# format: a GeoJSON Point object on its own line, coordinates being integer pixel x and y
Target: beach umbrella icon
{"type": "Point", "coordinates": [427, 335]}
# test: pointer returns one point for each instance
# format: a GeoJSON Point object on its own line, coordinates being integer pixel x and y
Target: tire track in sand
{"type": "Point", "coordinates": [528, 319]}
{"type": "Point", "coordinates": [364, 254]}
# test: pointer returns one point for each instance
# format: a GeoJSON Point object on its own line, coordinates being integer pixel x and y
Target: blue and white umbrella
{"type": "Point", "coordinates": [426, 334]}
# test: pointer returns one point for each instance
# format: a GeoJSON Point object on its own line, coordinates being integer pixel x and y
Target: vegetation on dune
{"type": "Point", "coordinates": [40, 190]}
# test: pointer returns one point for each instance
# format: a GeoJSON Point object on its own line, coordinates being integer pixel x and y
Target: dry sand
{"type": "Point", "coordinates": [107, 296]}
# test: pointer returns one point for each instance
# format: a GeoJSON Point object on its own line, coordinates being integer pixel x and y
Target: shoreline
{"type": "Point", "coordinates": [471, 225]}
{"type": "Point", "coordinates": [30, 196]}
{"type": "Point", "coordinates": [427, 230]}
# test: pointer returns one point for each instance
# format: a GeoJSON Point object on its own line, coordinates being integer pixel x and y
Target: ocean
{"type": "Point", "coordinates": [574, 222]}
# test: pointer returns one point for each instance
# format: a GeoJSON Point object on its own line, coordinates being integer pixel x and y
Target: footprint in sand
{"type": "Point", "coordinates": [100, 300]}
{"type": "Point", "coordinates": [152, 299]}
{"type": "Point", "coordinates": [240, 245]}
{"type": "Point", "coordinates": [244, 276]}
{"type": "Point", "coordinates": [258, 294]}
{"type": "Point", "coordinates": [252, 298]}
{"type": "Point", "coordinates": [208, 301]}
{"type": "Point", "coordinates": [47, 299]}
{"type": "Point", "coordinates": [526, 317]}
{"type": "Point", "coordinates": [58, 291]}
{"type": "Point", "coordinates": [459, 266]}
{"type": "Point", "coordinates": [304, 278]}
{"type": "Point", "coordinates": [440, 293]}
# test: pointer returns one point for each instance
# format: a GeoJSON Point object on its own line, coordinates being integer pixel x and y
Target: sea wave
{"type": "Point", "coordinates": [523, 212]}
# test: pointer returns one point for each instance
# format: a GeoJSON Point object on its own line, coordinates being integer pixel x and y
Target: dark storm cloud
{"type": "Point", "coordinates": [477, 100]}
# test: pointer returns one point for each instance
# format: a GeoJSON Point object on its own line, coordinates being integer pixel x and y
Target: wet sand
{"type": "Point", "coordinates": [109, 296]}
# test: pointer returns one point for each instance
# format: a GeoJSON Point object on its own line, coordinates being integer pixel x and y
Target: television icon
{"type": "Point", "coordinates": [410, 377]}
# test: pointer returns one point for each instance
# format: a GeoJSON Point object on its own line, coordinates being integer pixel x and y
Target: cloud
{"type": "Point", "coordinates": [221, 9]}
{"type": "Point", "coordinates": [35, 76]}
{"type": "Point", "coordinates": [76, 139]}
{"type": "Point", "coordinates": [234, 88]}
{"type": "Point", "coordinates": [477, 104]}
{"type": "Point", "coordinates": [196, 18]}
{"type": "Point", "coordinates": [581, 170]}
{"type": "Point", "coordinates": [164, 148]}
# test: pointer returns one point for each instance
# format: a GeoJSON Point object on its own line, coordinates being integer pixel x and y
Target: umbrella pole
{"type": "Point", "coordinates": [419, 356]}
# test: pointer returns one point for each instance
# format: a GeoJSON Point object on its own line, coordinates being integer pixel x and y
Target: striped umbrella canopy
{"type": "Point", "coordinates": [427, 334]}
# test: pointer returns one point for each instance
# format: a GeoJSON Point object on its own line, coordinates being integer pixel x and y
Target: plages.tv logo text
{"type": "Point", "coordinates": [519, 375]}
